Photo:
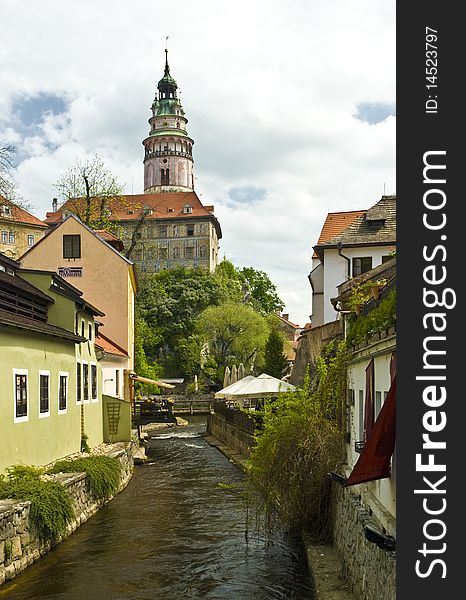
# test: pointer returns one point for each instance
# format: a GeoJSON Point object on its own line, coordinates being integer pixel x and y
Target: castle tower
{"type": "Point", "coordinates": [168, 160]}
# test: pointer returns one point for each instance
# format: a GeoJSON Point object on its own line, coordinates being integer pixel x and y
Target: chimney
{"type": "Point", "coordinates": [286, 316]}
{"type": "Point", "coordinates": [54, 205]}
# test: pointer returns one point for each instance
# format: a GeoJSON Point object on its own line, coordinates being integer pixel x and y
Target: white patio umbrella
{"type": "Point", "coordinates": [230, 390]}
{"type": "Point", "coordinates": [264, 386]}
{"type": "Point", "coordinates": [226, 377]}
{"type": "Point", "coordinates": [241, 371]}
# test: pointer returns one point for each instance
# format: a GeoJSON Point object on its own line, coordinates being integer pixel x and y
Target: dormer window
{"type": "Point", "coordinates": [187, 209]}
{"type": "Point", "coordinates": [6, 211]}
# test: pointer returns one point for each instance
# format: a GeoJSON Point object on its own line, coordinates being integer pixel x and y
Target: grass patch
{"type": "Point", "coordinates": [103, 473]}
{"type": "Point", "coordinates": [51, 505]}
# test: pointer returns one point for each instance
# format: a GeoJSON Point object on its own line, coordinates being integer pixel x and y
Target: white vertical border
{"type": "Point", "coordinates": [42, 415]}
{"type": "Point", "coordinates": [93, 364]}
{"type": "Point", "coordinates": [20, 372]}
{"type": "Point", "coordinates": [60, 375]}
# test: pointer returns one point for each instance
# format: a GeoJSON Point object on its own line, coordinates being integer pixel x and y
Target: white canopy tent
{"type": "Point", "coordinates": [264, 386]}
{"type": "Point", "coordinates": [233, 388]}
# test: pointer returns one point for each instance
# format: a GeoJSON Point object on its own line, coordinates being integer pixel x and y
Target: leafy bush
{"type": "Point", "coordinates": [51, 505]}
{"type": "Point", "coordinates": [301, 441]}
{"type": "Point", "coordinates": [103, 473]}
{"type": "Point", "coordinates": [377, 320]}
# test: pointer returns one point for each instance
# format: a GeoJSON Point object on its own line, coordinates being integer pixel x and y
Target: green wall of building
{"type": "Point", "coordinates": [41, 440]}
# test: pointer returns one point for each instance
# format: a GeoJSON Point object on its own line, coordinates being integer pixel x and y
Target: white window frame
{"type": "Point", "coordinates": [86, 400]}
{"type": "Point", "coordinates": [4, 236]}
{"type": "Point", "coordinates": [31, 239]}
{"type": "Point", "coordinates": [61, 374]}
{"type": "Point", "coordinates": [43, 415]}
{"type": "Point", "coordinates": [80, 401]}
{"type": "Point", "coordinates": [96, 399]}
{"type": "Point", "coordinates": [26, 417]}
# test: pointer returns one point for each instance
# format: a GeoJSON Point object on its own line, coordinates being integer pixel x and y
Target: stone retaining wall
{"type": "Point", "coordinates": [369, 570]}
{"type": "Point", "coordinates": [19, 547]}
{"type": "Point", "coordinates": [231, 435]}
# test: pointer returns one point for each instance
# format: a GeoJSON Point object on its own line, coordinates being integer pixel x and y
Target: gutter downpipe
{"type": "Point", "coordinates": [339, 247]}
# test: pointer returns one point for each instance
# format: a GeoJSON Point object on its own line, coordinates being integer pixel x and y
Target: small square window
{"type": "Point", "coordinates": [71, 246]}
{"type": "Point", "coordinates": [361, 265]}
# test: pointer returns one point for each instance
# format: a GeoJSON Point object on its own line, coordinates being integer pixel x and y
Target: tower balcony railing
{"type": "Point", "coordinates": [167, 153]}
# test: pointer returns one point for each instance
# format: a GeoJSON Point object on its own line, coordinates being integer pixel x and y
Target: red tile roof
{"type": "Point", "coordinates": [335, 223]}
{"type": "Point", "coordinates": [289, 322]}
{"type": "Point", "coordinates": [165, 205]}
{"type": "Point", "coordinates": [111, 347]}
{"type": "Point", "coordinates": [19, 215]}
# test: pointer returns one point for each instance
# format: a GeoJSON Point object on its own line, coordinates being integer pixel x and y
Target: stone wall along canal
{"type": "Point", "coordinates": [177, 532]}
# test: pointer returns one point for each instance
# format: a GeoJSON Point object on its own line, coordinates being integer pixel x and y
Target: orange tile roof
{"type": "Point", "coordinates": [288, 322]}
{"type": "Point", "coordinates": [111, 347]}
{"type": "Point", "coordinates": [165, 205]}
{"type": "Point", "coordinates": [335, 223]}
{"type": "Point", "coordinates": [19, 215]}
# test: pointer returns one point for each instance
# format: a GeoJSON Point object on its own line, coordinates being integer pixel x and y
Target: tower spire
{"type": "Point", "coordinates": [167, 68]}
{"type": "Point", "coordinates": [168, 160]}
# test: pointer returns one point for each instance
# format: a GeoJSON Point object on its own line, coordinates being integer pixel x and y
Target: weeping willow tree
{"type": "Point", "coordinates": [300, 442]}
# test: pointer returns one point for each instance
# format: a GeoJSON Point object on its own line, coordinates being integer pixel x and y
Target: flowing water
{"type": "Point", "coordinates": [178, 531]}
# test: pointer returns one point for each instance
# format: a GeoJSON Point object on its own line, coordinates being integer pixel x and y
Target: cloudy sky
{"type": "Point", "coordinates": [291, 106]}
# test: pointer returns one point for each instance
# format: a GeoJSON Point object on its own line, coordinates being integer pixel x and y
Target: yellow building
{"type": "Point", "coordinates": [19, 230]}
{"type": "Point", "coordinates": [106, 277]}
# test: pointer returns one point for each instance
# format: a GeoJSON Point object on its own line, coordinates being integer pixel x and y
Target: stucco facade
{"type": "Point", "coordinates": [43, 409]}
{"type": "Point", "coordinates": [349, 244]}
{"type": "Point", "coordinates": [19, 230]}
{"type": "Point", "coordinates": [105, 277]}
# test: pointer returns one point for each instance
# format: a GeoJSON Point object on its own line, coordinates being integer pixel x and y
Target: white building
{"type": "Point", "coordinates": [350, 243]}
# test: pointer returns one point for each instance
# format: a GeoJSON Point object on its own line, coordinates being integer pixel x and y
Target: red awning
{"type": "Point", "coordinates": [374, 460]}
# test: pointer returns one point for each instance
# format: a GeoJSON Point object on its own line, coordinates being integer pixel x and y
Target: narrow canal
{"type": "Point", "coordinates": [178, 531]}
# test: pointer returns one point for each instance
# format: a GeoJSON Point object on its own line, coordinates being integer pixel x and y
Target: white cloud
{"type": "Point", "coordinates": [270, 90]}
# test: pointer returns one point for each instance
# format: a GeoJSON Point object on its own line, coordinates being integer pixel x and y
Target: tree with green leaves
{"type": "Point", "coordinates": [275, 362]}
{"type": "Point", "coordinates": [89, 187]}
{"type": "Point", "coordinates": [259, 291]}
{"type": "Point", "coordinates": [233, 333]}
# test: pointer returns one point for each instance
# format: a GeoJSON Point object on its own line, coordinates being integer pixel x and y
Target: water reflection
{"type": "Point", "coordinates": [177, 532]}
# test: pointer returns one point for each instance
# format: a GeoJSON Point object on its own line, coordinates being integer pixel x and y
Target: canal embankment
{"type": "Point", "coordinates": [19, 543]}
{"type": "Point", "coordinates": [230, 432]}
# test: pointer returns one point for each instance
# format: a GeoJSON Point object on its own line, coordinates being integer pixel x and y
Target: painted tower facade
{"type": "Point", "coordinates": [168, 159]}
